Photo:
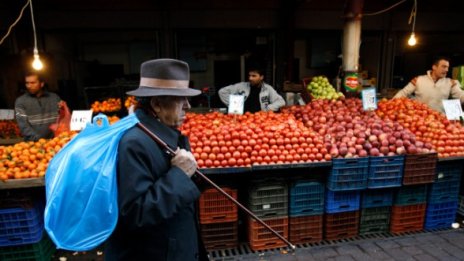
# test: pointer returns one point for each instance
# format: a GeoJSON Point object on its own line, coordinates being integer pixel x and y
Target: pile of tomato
{"type": "Point", "coordinates": [221, 140]}
{"type": "Point", "coordinates": [9, 129]}
{"type": "Point", "coordinates": [446, 137]}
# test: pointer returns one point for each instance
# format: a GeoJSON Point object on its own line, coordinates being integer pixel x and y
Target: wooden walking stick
{"type": "Point", "coordinates": [171, 152]}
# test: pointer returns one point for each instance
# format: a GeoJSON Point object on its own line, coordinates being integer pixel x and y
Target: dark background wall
{"type": "Point", "coordinates": [100, 42]}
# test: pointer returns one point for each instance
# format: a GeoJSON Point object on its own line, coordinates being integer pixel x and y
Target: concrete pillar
{"type": "Point", "coordinates": [351, 44]}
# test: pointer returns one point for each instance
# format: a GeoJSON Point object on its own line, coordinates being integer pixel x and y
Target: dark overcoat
{"type": "Point", "coordinates": [157, 217]}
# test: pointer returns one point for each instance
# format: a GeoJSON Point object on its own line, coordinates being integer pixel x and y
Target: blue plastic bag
{"type": "Point", "coordinates": [81, 191]}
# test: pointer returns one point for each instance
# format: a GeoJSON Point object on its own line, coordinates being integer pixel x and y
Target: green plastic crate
{"type": "Point", "coordinates": [41, 251]}
{"type": "Point", "coordinates": [374, 220]}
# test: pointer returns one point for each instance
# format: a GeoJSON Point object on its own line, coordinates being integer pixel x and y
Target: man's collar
{"type": "Point", "coordinates": [44, 94]}
{"type": "Point", "coordinates": [167, 134]}
{"type": "Point", "coordinates": [429, 74]}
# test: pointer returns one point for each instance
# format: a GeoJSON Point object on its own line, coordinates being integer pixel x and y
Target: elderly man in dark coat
{"type": "Point", "coordinates": [156, 195]}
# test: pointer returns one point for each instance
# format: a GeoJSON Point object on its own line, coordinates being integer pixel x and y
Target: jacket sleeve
{"type": "Point", "coordinates": [149, 191]}
{"type": "Point", "coordinates": [406, 92]}
{"type": "Point", "coordinates": [276, 100]}
{"type": "Point", "coordinates": [225, 92]}
{"type": "Point", "coordinates": [22, 119]}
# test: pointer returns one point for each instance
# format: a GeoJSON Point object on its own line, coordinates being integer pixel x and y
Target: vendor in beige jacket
{"type": "Point", "coordinates": [433, 87]}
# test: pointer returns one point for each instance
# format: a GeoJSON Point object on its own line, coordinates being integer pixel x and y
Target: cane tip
{"type": "Point", "coordinates": [293, 247]}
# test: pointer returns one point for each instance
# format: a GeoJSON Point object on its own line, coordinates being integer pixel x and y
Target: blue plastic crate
{"type": "Point", "coordinates": [306, 198]}
{"type": "Point", "coordinates": [21, 226]}
{"type": "Point", "coordinates": [348, 174]}
{"type": "Point", "coordinates": [385, 172]}
{"type": "Point", "coordinates": [342, 201]}
{"type": "Point", "coordinates": [440, 215]}
{"type": "Point", "coordinates": [443, 191]}
{"type": "Point", "coordinates": [411, 195]}
{"type": "Point", "coordinates": [449, 171]}
{"type": "Point", "coordinates": [377, 198]}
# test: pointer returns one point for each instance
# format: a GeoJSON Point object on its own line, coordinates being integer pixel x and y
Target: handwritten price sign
{"type": "Point", "coordinates": [453, 109]}
{"type": "Point", "coordinates": [79, 119]}
{"type": "Point", "coordinates": [369, 99]}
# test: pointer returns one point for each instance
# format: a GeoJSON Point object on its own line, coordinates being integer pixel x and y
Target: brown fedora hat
{"type": "Point", "coordinates": [164, 77]}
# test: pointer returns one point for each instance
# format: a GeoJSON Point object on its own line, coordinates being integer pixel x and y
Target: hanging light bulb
{"type": "Point", "coordinates": [412, 40]}
{"type": "Point", "coordinates": [37, 63]}
{"type": "Point", "coordinates": [412, 18]}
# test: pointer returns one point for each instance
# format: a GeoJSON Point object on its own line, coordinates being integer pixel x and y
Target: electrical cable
{"type": "Point", "coordinates": [33, 26]}
{"type": "Point", "coordinates": [386, 9]}
{"type": "Point", "coordinates": [412, 17]}
{"type": "Point", "coordinates": [15, 22]}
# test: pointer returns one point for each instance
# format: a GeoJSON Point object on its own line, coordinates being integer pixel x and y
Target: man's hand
{"type": "Point", "coordinates": [185, 161]}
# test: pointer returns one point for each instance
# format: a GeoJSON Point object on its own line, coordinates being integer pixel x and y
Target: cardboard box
{"type": "Point", "coordinates": [292, 87]}
{"type": "Point", "coordinates": [458, 74]}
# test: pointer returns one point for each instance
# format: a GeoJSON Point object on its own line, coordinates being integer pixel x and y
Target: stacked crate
{"type": "Point", "coordinates": [443, 195]}
{"type": "Point", "coordinates": [306, 211]}
{"type": "Point", "coordinates": [268, 200]}
{"type": "Point", "coordinates": [375, 211]}
{"type": "Point", "coordinates": [385, 173]}
{"type": "Point", "coordinates": [218, 219]}
{"type": "Point", "coordinates": [342, 203]}
{"type": "Point", "coordinates": [22, 235]}
{"type": "Point", "coordinates": [408, 212]}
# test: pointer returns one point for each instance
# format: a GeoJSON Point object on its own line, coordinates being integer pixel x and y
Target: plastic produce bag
{"type": "Point", "coordinates": [63, 121]}
{"type": "Point", "coordinates": [81, 210]}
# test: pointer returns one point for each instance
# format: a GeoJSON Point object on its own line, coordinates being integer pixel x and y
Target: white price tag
{"type": "Point", "coordinates": [236, 104]}
{"type": "Point", "coordinates": [79, 119]}
{"type": "Point", "coordinates": [369, 99]}
{"type": "Point", "coordinates": [441, 175]}
{"type": "Point", "coordinates": [453, 109]}
{"type": "Point", "coordinates": [267, 206]}
{"type": "Point", "coordinates": [7, 114]}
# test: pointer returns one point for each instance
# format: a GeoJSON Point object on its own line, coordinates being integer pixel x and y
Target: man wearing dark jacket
{"type": "Point", "coordinates": [36, 109]}
{"type": "Point", "coordinates": [156, 195]}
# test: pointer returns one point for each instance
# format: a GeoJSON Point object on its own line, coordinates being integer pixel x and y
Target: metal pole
{"type": "Point", "coordinates": [171, 152]}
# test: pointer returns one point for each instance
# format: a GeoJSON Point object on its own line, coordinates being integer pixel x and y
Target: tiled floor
{"type": "Point", "coordinates": [444, 245]}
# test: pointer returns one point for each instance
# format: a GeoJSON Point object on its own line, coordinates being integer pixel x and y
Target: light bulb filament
{"type": "Point", "coordinates": [412, 40]}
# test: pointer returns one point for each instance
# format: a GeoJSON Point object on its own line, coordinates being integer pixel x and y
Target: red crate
{"type": "Point", "coordinates": [306, 229]}
{"type": "Point", "coordinates": [216, 208]}
{"type": "Point", "coordinates": [407, 218]}
{"type": "Point", "coordinates": [419, 168]}
{"type": "Point", "coordinates": [341, 225]}
{"type": "Point", "coordinates": [261, 238]}
{"type": "Point", "coordinates": [220, 235]}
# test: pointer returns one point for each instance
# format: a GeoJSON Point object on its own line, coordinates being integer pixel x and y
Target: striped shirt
{"type": "Point", "coordinates": [35, 114]}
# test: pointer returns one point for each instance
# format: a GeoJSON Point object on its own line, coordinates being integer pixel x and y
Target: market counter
{"type": "Point", "coordinates": [39, 182]}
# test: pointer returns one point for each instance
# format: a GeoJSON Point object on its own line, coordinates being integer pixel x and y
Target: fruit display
{"type": "Point", "coordinates": [130, 100]}
{"type": "Point", "coordinates": [220, 140]}
{"type": "Point", "coordinates": [30, 159]}
{"type": "Point", "coordinates": [9, 129]}
{"type": "Point", "coordinates": [318, 131]}
{"type": "Point", "coordinates": [320, 88]}
{"type": "Point", "coordinates": [429, 126]}
{"type": "Point", "coordinates": [348, 131]}
{"type": "Point", "coordinates": [108, 105]}
{"type": "Point", "coordinates": [113, 119]}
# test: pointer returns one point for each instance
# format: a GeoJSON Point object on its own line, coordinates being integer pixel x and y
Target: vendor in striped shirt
{"type": "Point", "coordinates": [36, 109]}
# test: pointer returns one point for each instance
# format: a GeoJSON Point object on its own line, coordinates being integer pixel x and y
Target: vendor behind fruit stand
{"type": "Point", "coordinates": [36, 109]}
{"type": "Point", "coordinates": [433, 87]}
{"type": "Point", "coordinates": [259, 96]}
